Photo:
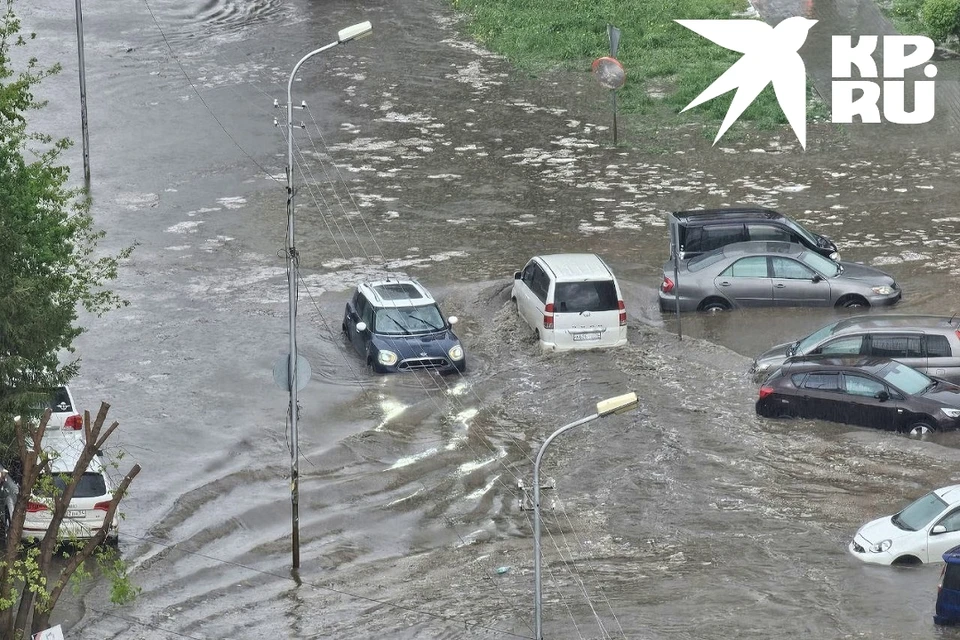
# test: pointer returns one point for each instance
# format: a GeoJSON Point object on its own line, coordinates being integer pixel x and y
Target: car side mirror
{"type": "Point", "coordinates": [453, 320]}
{"type": "Point", "coordinates": [516, 275]}
{"type": "Point", "coordinates": [882, 396]}
{"type": "Point", "coordinates": [361, 327]}
{"type": "Point", "coordinates": [817, 278]}
{"type": "Point", "coordinates": [937, 530]}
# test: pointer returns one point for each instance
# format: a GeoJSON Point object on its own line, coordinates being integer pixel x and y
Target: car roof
{"type": "Point", "coordinates": [952, 556]}
{"type": "Point", "coordinates": [950, 494]}
{"type": "Point", "coordinates": [895, 321]}
{"type": "Point", "coordinates": [567, 267]}
{"type": "Point", "coordinates": [870, 364]}
{"type": "Point", "coordinates": [759, 247]}
{"type": "Point", "coordinates": [725, 214]}
{"type": "Point", "coordinates": [395, 292]}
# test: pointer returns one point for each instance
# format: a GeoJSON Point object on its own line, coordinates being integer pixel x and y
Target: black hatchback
{"type": "Point", "coordinates": [870, 392]}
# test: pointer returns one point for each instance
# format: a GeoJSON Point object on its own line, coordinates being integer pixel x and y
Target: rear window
{"type": "Point", "coordinates": [60, 400]}
{"type": "Point", "coordinates": [704, 260]}
{"type": "Point", "coordinates": [91, 485]}
{"type": "Point", "coordinates": [938, 347]}
{"type": "Point", "coordinates": [575, 297]}
{"type": "Point", "coordinates": [951, 578]}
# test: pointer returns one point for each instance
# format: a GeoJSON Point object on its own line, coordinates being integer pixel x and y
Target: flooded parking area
{"type": "Point", "coordinates": [689, 518]}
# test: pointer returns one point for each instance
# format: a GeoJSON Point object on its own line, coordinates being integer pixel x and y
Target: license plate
{"type": "Point", "coordinates": [76, 513]}
{"type": "Point", "coordinates": [585, 337]}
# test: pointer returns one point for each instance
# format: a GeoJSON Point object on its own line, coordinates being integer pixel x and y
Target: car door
{"type": "Point", "coordinates": [822, 397]}
{"type": "Point", "coordinates": [538, 296]}
{"type": "Point", "coordinates": [943, 356]}
{"type": "Point", "coordinates": [797, 285]}
{"type": "Point", "coordinates": [524, 293]}
{"type": "Point", "coordinates": [869, 402]}
{"type": "Point", "coordinates": [364, 313]}
{"type": "Point", "coordinates": [941, 542]}
{"type": "Point", "coordinates": [746, 282]}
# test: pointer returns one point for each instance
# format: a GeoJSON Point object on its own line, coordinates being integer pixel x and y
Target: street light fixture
{"type": "Point", "coordinates": [610, 406]}
{"type": "Point", "coordinates": [293, 259]}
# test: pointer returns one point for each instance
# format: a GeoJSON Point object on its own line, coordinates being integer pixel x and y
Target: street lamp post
{"type": "Point", "coordinates": [343, 36]}
{"type": "Point", "coordinates": [607, 407]}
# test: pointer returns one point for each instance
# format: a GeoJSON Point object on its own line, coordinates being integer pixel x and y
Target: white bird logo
{"type": "Point", "coordinates": [770, 55]}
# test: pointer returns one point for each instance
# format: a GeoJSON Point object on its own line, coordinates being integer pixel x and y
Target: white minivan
{"type": "Point", "coordinates": [572, 301]}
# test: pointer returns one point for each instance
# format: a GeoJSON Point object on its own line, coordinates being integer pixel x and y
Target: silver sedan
{"type": "Point", "coordinates": [772, 274]}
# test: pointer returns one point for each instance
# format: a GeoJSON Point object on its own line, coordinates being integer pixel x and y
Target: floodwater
{"type": "Point", "coordinates": [690, 518]}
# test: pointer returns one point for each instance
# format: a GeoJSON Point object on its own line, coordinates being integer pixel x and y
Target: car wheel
{"type": "Point", "coordinates": [714, 305]}
{"type": "Point", "coordinates": [853, 302]}
{"type": "Point", "coordinates": [919, 429]}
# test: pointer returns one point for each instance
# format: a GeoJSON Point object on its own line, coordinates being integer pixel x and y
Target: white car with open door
{"type": "Point", "coordinates": [571, 301]}
{"type": "Point", "coordinates": [922, 532]}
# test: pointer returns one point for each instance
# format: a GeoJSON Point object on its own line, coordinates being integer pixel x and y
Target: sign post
{"type": "Point", "coordinates": [610, 73]}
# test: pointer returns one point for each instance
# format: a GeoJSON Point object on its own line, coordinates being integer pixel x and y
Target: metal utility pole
{"type": "Point", "coordinates": [293, 263]}
{"type": "Point", "coordinates": [83, 99]}
{"type": "Point", "coordinates": [610, 406]}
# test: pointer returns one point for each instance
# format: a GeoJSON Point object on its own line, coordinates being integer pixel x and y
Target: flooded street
{"type": "Point", "coordinates": [690, 518]}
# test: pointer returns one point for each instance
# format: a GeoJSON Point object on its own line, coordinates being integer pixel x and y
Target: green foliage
{"type": "Point", "coordinates": [941, 18]}
{"type": "Point", "coordinates": [570, 34]}
{"type": "Point", "coordinates": [48, 264]}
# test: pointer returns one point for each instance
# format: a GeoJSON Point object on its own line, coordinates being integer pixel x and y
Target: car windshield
{"type": "Point", "coordinates": [407, 320]}
{"type": "Point", "coordinates": [920, 513]}
{"type": "Point", "coordinates": [908, 380]}
{"type": "Point", "coordinates": [813, 339]}
{"type": "Point", "coordinates": [91, 485]}
{"type": "Point", "coordinates": [803, 232]}
{"type": "Point", "coordinates": [825, 266]}
{"type": "Point", "coordinates": [592, 295]}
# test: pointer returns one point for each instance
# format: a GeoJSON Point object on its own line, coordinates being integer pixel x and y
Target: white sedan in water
{"type": "Point", "coordinates": [922, 532]}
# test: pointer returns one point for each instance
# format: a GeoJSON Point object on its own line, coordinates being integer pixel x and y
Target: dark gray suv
{"type": "Point", "coordinates": [930, 344]}
{"type": "Point", "coordinates": [701, 230]}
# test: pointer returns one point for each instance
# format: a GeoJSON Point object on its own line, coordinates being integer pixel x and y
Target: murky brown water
{"type": "Point", "coordinates": [688, 519]}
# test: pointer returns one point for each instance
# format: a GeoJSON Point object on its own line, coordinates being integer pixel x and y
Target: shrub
{"type": "Point", "coordinates": [941, 18]}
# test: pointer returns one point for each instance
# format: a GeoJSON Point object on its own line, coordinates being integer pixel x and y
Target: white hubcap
{"type": "Point", "coordinates": [920, 430]}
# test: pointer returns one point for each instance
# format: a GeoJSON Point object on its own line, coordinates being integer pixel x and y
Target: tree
{"type": "Point", "coordinates": [941, 18]}
{"type": "Point", "coordinates": [49, 269]}
{"type": "Point", "coordinates": [26, 573]}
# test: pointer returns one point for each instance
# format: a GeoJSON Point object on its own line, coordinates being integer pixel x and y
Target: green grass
{"type": "Point", "coordinates": [657, 53]}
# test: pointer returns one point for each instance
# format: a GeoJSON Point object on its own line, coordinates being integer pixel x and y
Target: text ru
{"type": "Point", "coordinates": [860, 97]}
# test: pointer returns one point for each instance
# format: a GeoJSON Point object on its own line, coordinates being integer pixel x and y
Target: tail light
{"type": "Point", "coordinates": [958, 334]}
{"type": "Point", "coordinates": [623, 313]}
{"type": "Point", "coordinates": [667, 285]}
{"type": "Point", "coordinates": [548, 316]}
{"type": "Point", "coordinates": [102, 506]}
{"type": "Point", "coordinates": [765, 391]}
{"type": "Point", "coordinates": [943, 572]}
{"type": "Point", "coordinates": [74, 422]}
{"type": "Point", "coordinates": [34, 507]}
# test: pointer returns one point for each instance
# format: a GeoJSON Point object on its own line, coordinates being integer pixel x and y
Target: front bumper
{"type": "Point", "coordinates": [860, 549]}
{"type": "Point", "coordinates": [441, 364]}
{"type": "Point", "coordinates": [885, 300]}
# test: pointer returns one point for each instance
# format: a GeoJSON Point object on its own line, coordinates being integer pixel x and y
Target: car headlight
{"type": "Point", "coordinates": [760, 368]}
{"type": "Point", "coordinates": [883, 290]}
{"type": "Point", "coordinates": [881, 546]}
{"type": "Point", "coordinates": [835, 256]}
{"type": "Point", "coordinates": [951, 413]}
{"type": "Point", "coordinates": [388, 358]}
{"type": "Point", "coordinates": [456, 352]}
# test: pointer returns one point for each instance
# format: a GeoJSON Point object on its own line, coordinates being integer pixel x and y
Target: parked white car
{"type": "Point", "coordinates": [571, 301]}
{"type": "Point", "coordinates": [922, 532]}
{"type": "Point", "coordinates": [63, 415]}
{"type": "Point", "coordinates": [90, 502]}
